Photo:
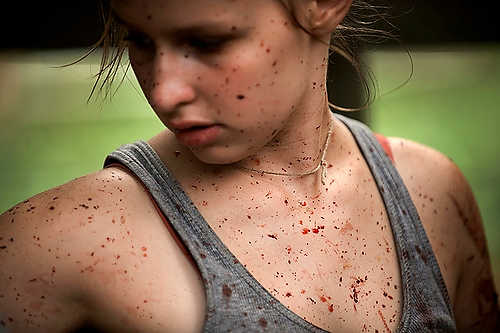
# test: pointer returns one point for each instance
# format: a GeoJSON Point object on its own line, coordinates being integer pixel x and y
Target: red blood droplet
{"type": "Point", "coordinates": [305, 231]}
{"type": "Point", "coordinates": [227, 291]}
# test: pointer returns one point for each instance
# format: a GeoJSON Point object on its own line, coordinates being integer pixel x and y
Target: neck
{"type": "Point", "coordinates": [298, 149]}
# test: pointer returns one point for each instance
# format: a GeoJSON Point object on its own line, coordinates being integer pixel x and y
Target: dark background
{"type": "Point", "coordinates": [78, 24]}
{"type": "Point", "coordinates": [71, 24]}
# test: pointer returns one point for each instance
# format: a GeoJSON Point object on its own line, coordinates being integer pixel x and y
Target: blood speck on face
{"type": "Point", "coordinates": [305, 231]}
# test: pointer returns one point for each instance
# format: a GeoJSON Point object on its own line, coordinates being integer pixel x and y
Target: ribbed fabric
{"type": "Point", "coordinates": [236, 302]}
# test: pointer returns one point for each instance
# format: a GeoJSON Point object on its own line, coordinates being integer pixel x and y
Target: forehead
{"type": "Point", "coordinates": [192, 12]}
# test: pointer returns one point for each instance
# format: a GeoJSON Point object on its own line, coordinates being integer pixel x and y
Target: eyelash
{"type": "Point", "coordinates": [206, 45]}
{"type": "Point", "coordinates": [138, 40]}
{"type": "Point", "coordinates": [200, 44]}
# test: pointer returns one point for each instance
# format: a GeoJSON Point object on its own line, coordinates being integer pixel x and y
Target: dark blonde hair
{"type": "Point", "coordinates": [362, 25]}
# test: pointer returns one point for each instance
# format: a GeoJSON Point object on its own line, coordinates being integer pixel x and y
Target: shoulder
{"type": "Point", "coordinates": [46, 242]}
{"type": "Point", "coordinates": [438, 188]}
{"type": "Point", "coordinates": [451, 218]}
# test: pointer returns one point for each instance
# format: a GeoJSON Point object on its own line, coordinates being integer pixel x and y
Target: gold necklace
{"type": "Point", "coordinates": [322, 163]}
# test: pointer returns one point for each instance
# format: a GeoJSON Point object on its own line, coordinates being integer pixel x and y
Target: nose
{"type": "Point", "coordinates": [170, 87]}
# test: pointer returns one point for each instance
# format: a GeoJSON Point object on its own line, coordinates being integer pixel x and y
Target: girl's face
{"type": "Point", "coordinates": [225, 76]}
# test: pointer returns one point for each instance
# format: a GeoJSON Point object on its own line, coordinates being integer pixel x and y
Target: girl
{"type": "Point", "coordinates": [257, 209]}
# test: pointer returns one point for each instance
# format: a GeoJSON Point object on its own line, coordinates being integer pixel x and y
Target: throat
{"type": "Point", "coordinates": [294, 165]}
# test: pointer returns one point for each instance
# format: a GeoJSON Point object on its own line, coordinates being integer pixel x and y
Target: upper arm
{"type": "Point", "coordinates": [452, 220]}
{"type": "Point", "coordinates": [32, 282]}
{"type": "Point", "coordinates": [45, 245]}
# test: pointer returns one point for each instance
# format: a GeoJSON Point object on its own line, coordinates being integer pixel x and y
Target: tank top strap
{"type": "Point", "coordinates": [235, 300]}
{"type": "Point", "coordinates": [426, 301]}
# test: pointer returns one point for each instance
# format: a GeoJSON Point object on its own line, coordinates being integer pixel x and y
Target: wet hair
{"type": "Point", "coordinates": [365, 24]}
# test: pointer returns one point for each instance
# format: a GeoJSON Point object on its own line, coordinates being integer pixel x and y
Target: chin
{"type": "Point", "coordinates": [220, 155]}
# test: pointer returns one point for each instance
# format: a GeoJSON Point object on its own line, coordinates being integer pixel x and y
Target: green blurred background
{"type": "Point", "coordinates": [50, 134]}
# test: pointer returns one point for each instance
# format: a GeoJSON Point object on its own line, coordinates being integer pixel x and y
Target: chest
{"type": "Point", "coordinates": [330, 258]}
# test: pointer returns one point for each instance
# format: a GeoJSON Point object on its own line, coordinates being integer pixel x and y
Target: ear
{"type": "Point", "coordinates": [319, 17]}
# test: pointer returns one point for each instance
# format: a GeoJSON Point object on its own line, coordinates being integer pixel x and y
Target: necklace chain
{"type": "Point", "coordinates": [322, 163]}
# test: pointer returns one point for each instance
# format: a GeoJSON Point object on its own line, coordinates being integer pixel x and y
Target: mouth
{"type": "Point", "coordinates": [177, 126]}
{"type": "Point", "coordinates": [197, 135]}
{"type": "Point", "coordinates": [191, 128]}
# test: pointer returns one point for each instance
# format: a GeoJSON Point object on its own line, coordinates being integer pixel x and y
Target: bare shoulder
{"type": "Point", "coordinates": [46, 242]}
{"type": "Point", "coordinates": [452, 220]}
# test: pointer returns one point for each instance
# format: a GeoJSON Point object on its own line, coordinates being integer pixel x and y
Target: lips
{"type": "Point", "coordinates": [193, 134]}
{"type": "Point", "coordinates": [184, 125]}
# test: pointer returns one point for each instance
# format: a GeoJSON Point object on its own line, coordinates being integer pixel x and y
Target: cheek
{"type": "Point", "coordinates": [260, 82]}
{"type": "Point", "coordinates": [143, 73]}
{"type": "Point", "coordinates": [248, 79]}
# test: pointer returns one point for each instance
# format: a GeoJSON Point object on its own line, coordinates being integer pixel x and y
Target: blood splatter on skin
{"type": "Point", "coordinates": [346, 228]}
{"type": "Point", "coordinates": [488, 298]}
{"type": "Point", "coordinates": [474, 228]}
{"type": "Point", "coordinates": [383, 320]}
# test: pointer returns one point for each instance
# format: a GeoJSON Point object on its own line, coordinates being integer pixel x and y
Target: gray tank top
{"type": "Point", "coordinates": [236, 302]}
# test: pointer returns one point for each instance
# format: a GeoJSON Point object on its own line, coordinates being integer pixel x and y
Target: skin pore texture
{"type": "Point", "coordinates": [249, 76]}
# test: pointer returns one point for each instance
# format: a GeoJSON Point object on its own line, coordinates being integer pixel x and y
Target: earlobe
{"type": "Point", "coordinates": [319, 17]}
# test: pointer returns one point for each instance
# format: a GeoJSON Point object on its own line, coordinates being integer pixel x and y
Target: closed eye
{"type": "Point", "coordinates": [207, 44]}
{"type": "Point", "coordinates": [138, 40]}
